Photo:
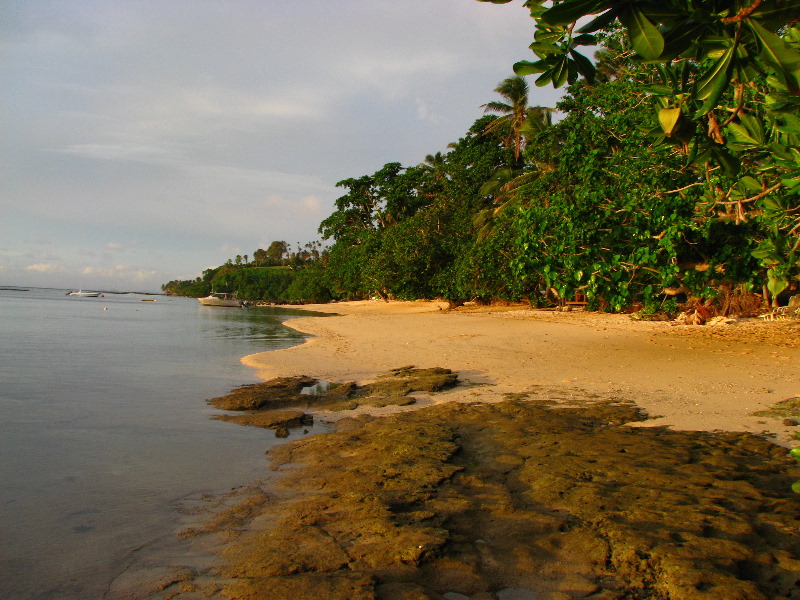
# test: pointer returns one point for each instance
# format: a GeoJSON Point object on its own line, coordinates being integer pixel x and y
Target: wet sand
{"type": "Point", "coordinates": [579, 456]}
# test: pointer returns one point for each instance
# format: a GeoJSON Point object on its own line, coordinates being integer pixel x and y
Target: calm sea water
{"type": "Point", "coordinates": [104, 427]}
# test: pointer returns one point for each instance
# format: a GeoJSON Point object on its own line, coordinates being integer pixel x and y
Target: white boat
{"type": "Point", "coordinates": [84, 294]}
{"type": "Point", "coordinates": [221, 299]}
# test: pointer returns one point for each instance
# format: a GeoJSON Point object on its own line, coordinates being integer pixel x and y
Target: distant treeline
{"type": "Point", "coordinates": [278, 274]}
{"type": "Point", "coordinates": [623, 199]}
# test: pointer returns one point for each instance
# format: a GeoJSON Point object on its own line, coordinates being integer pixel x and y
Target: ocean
{"type": "Point", "coordinates": [104, 427]}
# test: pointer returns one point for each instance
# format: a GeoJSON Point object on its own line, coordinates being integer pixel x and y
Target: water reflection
{"type": "Point", "coordinates": [260, 325]}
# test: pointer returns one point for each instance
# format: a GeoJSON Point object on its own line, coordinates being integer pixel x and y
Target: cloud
{"type": "Point", "coordinates": [45, 268]}
{"type": "Point", "coordinates": [132, 152]}
{"type": "Point", "coordinates": [305, 205]}
{"type": "Point", "coordinates": [120, 272]}
{"type": "Point", "coordinates": [425, 113]}
{"type": "Point", "coordinates": [237, 104]}
{"type": "Point", "coordinates": [113, 246]}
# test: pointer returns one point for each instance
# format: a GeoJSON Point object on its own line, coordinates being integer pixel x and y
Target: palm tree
{"type": "Point", "coordinates": [435, 163]}
{"type": "Point", "coordinates": [507, 183]}
{"type": "Point", "coordinates": [514, 111]}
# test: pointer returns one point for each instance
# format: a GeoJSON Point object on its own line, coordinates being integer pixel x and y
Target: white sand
{"type": "Point", "coordinates": [686, 377]}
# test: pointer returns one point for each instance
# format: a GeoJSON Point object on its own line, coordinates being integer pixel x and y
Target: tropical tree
{"type": "Point", "coordinates": [276, 252]}
{"type": "Point", "coordinates": [514, 111]}
{"type": "Point", "coordinates": [435, 164]}
{"type": "Point", "coordinates": [726, 91]}
{"type": "Point", "coordinates": [260, 257]}
{"type": "Point", "coordinates": [520, 123]}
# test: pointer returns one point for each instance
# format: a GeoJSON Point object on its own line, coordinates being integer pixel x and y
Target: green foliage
{"type": "Point", "coordinates": [726, 95]}
{"type": "Point", "coordinates": [308, 286]}
{"type": "Point", "coordinates": [194, 288]}
{"type": "Point", "coordinates": [285, 280]}
{"type": "Point", "coordinates": [400, 232]}
{"type": "Point", "coordinates": [257, 283]}
{"type": "Point", "coordinates": [795, 453]}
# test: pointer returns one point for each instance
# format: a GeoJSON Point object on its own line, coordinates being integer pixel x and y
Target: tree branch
{"type": "Point", "coordinates": [686, 187]}
{"type": "Point", "coordinates": [742, 14]}
{"type": "Point", "coordinates": [740, 93]}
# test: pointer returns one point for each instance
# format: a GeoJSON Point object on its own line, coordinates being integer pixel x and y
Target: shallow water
{"type": "Point", "coordinates": [104, 427]}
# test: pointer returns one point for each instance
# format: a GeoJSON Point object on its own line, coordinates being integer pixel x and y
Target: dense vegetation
{"type": "Point", "coordinates": [274, 275]}
{"type": "Point", "coordinates": [669, 171]}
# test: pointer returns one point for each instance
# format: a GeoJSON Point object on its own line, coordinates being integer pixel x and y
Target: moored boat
{"type": "Point", "coordinates": [222, 299]}
{"type": "Point", "coordinates": [83, 294]}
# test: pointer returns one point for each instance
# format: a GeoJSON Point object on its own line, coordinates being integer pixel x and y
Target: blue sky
{"type": "Point", "coordinates": [146, 140]}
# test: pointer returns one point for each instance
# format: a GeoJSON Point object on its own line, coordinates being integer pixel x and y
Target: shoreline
{"type": "Point", "coordinates": [692, 378]}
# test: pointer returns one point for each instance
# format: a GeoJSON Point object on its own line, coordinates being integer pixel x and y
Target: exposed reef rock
{"type": "Point", "coordinates": [519, 499]}
{"type": "Point", "coordinates": [264, 401]}
{"type": "Point", "coordinates": [275, 393]}
{"type": "Point", "coordinates": [271, 419]}
{"type": "Point", "coordinates": [787, 409]}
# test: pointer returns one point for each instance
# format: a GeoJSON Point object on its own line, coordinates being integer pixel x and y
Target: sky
{"type": "Point", "coordinates": [143, 141]}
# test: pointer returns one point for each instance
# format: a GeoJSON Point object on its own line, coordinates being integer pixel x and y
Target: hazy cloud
{"type": "Point", "coordinates": [45, 268]}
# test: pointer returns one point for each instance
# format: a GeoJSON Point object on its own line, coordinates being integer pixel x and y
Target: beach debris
{"type": "Point", "coordinates": [784, 313]}
{"type": "Point", "coordinates": [701, 316]}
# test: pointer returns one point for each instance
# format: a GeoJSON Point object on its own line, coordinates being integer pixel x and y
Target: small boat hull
{"type": "Point", "coordinates": [221, 300]}
{"type": "Point", "coordinates": [83, 294]}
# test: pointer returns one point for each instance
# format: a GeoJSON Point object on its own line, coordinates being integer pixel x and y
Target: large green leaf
{"type": "Point", "coordinates": [750, 184]}
{"type": "Point", "coordinates": [584, 65]}
{"type": "Point", "coordinates": [657, 89]}
{"type": "Point", "coordinates": [570, 11]}
{"type": "Point", "coordinates": [681, 38]}
{"type": "Point", "coordinates": [601, 21]}
{"type": "Point", "coordinates": [669, 119]}
{"type": "Point", "coordinates": [549, 35]}
{"type": "Point", "coordinates": [783, 58]}
{"type": "Point", "coordinates": [713, 83]}
{"type": "Point", "coordinates": [645, 37]}
{"type": "Point", "coordinates": [542, 49]}
{"type": "Point", "coordinates": [775, 285]}
{"type": "Point", "coordinates": [584, 40]}
{"type": "Point", "coordinates": [754, 126]}
{"type": "Point", "coordinates": [544, 78]}
{"type": "Point", "coordinates": [560, 72]}
{"type": "Point", "coordinates": [743, 138]}
{"type": "Point", "coordinates": [729, 163]}
{"type": "Point", "coordinates": [526, 67]}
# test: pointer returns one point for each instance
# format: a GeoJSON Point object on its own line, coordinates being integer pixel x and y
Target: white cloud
{"type": "Point", "coordinates": [237, 103]}
{"type": "Point", "coordinates": [305, 205]}
{"type": "Point", "coordinates": [45, 268]}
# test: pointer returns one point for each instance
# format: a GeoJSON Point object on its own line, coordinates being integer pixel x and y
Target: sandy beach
{"type": "Point", "coordinates": [703, 378]}
{"type": "Point", "coordinates": [579, 455]}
